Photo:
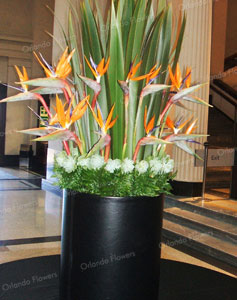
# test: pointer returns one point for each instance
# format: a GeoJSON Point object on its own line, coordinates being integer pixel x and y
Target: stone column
{"type": "Point", "coordinates": [196, 53]}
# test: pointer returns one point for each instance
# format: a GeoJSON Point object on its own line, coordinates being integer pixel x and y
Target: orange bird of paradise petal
{"type": "Point", "coordinates": [23, 76]}
{"type": "Point", "coordinates": [67, 118]}
{"type": "Point", "coordinates": [153, 74]}
{"type": "Point", "coordinates": [188, 77]}
{"type": "Point", "coordinates": [176, 127]}
{"type": "Point", "coordinates": [109, 123]}
{"type": "Point", "coordinates": [170, 123]}
{"type": "Point", "coordinates": [178, 75]}
{"type": "Point", "coordinates": [100, 70]}
{"type": "Point", "coordinates": [191, 127]}
{"type": "Point", "coordinates": [63, 68]}
{"type": "Point", "coordinates": [133, 71]}
{"type": "Point", "coordinates": [60, 112]}
{"type": "Point", "coordinates": [80, 109]}
{"type": "Point", "coordinates": [105, 126]}
{"type": "Point", "coordinates": [182, 125]}
{"type": "Point", "coordinates": [148, 127]}
{"type": "Point", "coordinates": [176, 78]}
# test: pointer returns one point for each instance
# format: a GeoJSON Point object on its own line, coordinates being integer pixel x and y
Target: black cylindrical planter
{"type": "Point", "coordinates": [110, 247]}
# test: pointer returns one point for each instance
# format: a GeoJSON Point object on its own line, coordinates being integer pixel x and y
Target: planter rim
{"type": "Point", "coordinates": [113, 198]}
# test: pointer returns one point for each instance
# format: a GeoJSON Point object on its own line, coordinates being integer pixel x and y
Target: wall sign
{"type": "Point", "coordinates": [44, 116]}
{"type": "Point", "coordinates": [223, 157]}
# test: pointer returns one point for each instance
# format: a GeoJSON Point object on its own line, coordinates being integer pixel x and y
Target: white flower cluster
{"type": "Point", "coordinates": [161, 166]}
{"type": "Point", "coordinates": [96, 162]}
{"type": "Point", "coordinates": [66, 162]}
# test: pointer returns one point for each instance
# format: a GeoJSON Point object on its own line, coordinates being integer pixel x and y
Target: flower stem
{"type": "Point", "coordinates": [138, 118]}
{"type": "Point", "coordinates": [41, 99]}
{"type": "Point", "coordinates": [66, 95]}
{"type": "Point", "coordinates": [78, 142]}
{"type": "Point", "coordinates": [161, 123]}
{"type": "Point", "coordinates": [67, 88]}
{"type": "Point", "coordinates": [107, 151]}
{"type": "Point", "coordinates": [126, 101]}
{"type": "Point", "coordinates": [168, 105]}
{"type": "Point", "coordinates": [65, 144]}
{"type": "Point", "coordinates": [137, 150]}
{"type": "Point", "coordinates": [93, 104]}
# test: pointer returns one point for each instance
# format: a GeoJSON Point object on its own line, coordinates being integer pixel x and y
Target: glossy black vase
{"type": "Point", "coordinates": [110, 247]}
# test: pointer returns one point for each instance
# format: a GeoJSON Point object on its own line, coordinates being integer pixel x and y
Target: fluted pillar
{"type": "Point", "coordinates": [196, 53]}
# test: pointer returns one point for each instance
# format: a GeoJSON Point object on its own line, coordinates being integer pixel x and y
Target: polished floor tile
{"type": "Point", "coordinates": [14, 173]}
{"type": "Point", "coordinates": [8, 185]}
{"type": "Point", "coordinates": [28, 251]}
{"type": "Point", "coordinates": [29, 214]}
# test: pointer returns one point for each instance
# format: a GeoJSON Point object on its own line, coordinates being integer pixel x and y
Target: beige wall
{"type": "Point", "coordinates": [224, 36]}
{"type": "Point", "coordinates": [231, 33]}
{"type": "Point", "coordinates": [21, 31]}
{"type": "Point", "coordinates": [219, 25]}
{"type": "Point", "coordinates": [61, 13]}
{"type": "Point", "coordinates": [16, 18]}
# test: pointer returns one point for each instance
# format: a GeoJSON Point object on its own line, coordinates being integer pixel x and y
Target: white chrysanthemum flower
{"type": "Point", "coordinates": [60, 158]}
{"type": "Point", "coordinates": [168, 166]}
{"type": "Point", "coordinates": [83, 162]}
{"type": "Point", "coordinates": [96, 162]}
{"type": "Point", "coordinates": [156, 166]}
{"type": "Point", "coordinates": [127, 166]}
{"type": "Point", "coordinates": [142, 166]}
{"type": "Point", "coordinates": [69, 164]}
{"type": "Point", "coordinates": [113, 165]}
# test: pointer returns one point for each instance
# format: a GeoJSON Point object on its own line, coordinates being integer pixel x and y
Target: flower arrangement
{"type": "Point", "coordinates": [113, 115]}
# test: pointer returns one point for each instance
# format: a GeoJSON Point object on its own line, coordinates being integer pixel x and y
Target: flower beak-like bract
{"type": "Point", "coordinates": [68, 117]}
{"type": "Point", "coordinates": [177, 80]}
{"type": "Point", "coordinates": [23, 76]}
{"type": "Point", "coordinates": [63, 68]}
{"type": "Point", "coordinates": [98, 70]}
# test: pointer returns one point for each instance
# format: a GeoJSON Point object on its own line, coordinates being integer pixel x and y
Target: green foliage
{"type": "Point", "coordinates": [131, 29]}
{"type": "Point", "coordinates": [116, 184]}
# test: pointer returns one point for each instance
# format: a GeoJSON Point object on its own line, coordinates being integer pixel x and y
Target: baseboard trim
{"type": "Point", "coordinates": [188, 189]}
{"type": "Point", "coordinates": [9, 161]}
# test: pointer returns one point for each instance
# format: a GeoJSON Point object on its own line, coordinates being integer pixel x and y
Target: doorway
{"type": "Point", "coordinates": [3, 94]}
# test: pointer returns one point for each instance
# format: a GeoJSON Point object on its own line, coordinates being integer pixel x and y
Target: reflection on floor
{"type": "Point", "coordinates": [29, 214]}
{"type": "Point", "coordinates": [211, 201]}
{"type": "Point", "coordinates": [30, 221]}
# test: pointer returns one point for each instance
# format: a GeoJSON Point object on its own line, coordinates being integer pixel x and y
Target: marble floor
{"type": "Point", "coordinates": [30, 221]}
